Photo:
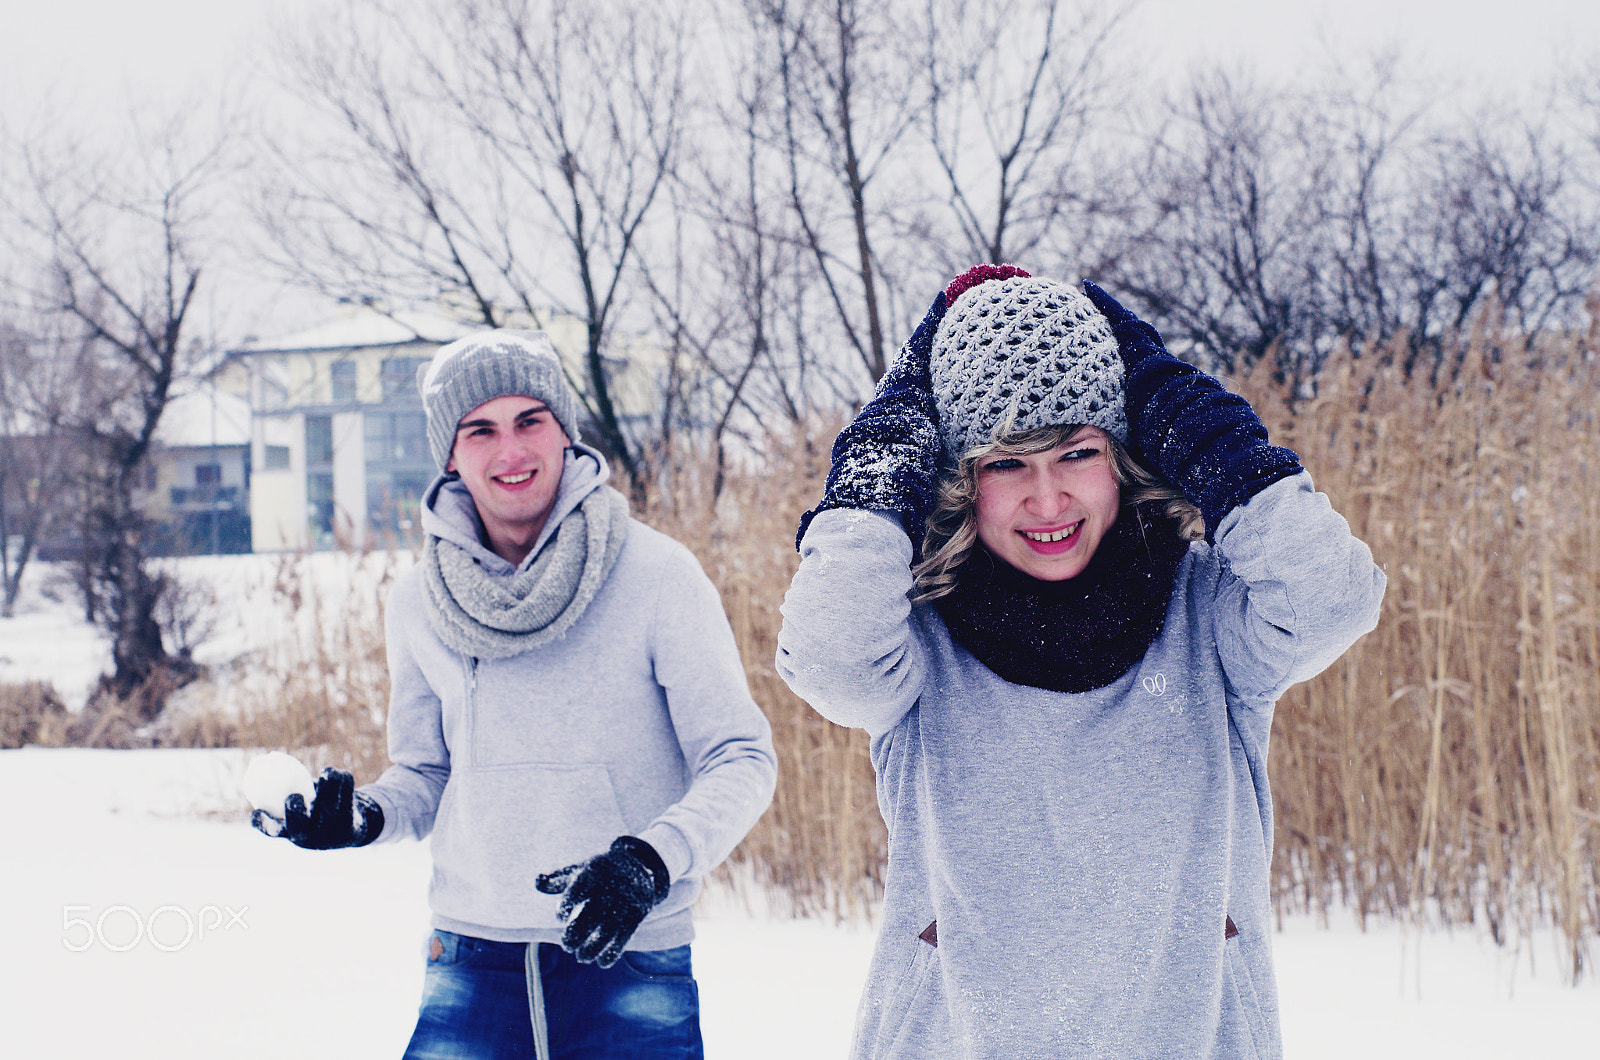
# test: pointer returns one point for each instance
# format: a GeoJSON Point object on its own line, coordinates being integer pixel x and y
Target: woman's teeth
{"type": "Point", "coordinates": [1057, 535]}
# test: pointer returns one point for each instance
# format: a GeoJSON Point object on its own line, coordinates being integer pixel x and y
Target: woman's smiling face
{"type": "Point", "coordinates": [1046, 513]}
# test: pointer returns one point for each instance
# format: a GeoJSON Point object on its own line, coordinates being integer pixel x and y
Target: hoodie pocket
{"type": "Point", "coordinates": [499, 828]}
{"type": "Point", "coordinates": [912, 1019]}
{"type": "Point", "coordinates": [1241, 1006]}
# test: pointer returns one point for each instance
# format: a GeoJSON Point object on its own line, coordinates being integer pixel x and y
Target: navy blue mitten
{"type": "Point", "coordinates": [339, 816]}
{"type": "Point", "coordinates": [886, 460]}
{"type": "Point", "coordinates": [1204, 440]}
{"type": "Point", "coordinates": [611, 894]}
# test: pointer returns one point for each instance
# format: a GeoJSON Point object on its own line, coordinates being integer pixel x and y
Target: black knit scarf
{"type": "Point", "coordinates": [1073, 635]}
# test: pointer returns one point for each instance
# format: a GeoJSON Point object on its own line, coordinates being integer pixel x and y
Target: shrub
{"type": "Point", "coordinates": [31, 713]}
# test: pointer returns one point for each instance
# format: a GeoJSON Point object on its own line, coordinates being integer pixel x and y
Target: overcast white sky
{"type": "Point", "coordinates": [90, 49]}
{"type": "Point", "coordinates": [87, 52]}
{"type": "Point", "coordinates": [95, 57]}
{"type": "Point", "coordinates": [1500, 43]}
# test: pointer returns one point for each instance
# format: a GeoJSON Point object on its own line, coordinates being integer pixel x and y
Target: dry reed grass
{"type": "Point", "coordinates": [1447, 769]}
{"type": "Point", "coordinates": [822, 846]}
{"type": "Point", "coordinates": [321, 691]}
{"type": "Point", "coordinates": [32, 713]}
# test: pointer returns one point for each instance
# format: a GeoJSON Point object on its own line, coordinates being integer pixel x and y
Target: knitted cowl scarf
{"type": "Point", "coordinates": [1073, 635]}
{"type": "Point", "coordinates": [494, 617]}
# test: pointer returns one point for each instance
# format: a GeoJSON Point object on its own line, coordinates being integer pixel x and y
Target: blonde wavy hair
{"type": "Point", "coordinates": [952, 529]}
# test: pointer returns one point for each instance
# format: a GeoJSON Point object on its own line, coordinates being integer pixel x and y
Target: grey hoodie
{"type": "Point", "coordinates": [1097, 863]}
{"type": "Point", "coordinates": [638, 721]}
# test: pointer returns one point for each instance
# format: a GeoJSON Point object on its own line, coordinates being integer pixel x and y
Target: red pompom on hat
{"type": "Point", "coordinates": [980, 274]}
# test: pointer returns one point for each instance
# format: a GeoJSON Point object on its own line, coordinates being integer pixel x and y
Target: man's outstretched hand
{"type": "Point", "coordinates": [339, 816]}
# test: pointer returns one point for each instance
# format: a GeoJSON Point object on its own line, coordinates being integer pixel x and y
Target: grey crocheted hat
{"type": "Point", "coordinates": [1019, 353]}
{"type": "Point", "coordinates": [487, 365]}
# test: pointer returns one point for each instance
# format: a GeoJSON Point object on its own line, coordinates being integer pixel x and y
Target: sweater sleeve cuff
{"type": "Point", "coordinates": [674, 850]}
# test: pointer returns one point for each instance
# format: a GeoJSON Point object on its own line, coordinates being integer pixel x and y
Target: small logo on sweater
{"type": "Point", "coordinates": [1155, 685]}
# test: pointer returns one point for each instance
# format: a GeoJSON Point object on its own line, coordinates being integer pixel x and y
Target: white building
{"type": "Point", "coordinates": [338, 446]}
{"type": "Point", "coordinates": [196, 483]}
{"type": "Point", "coordinates": [338, 439]}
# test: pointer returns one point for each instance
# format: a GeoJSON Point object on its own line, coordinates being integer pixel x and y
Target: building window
{"type": "Point", "coordinates": [396, 438]}
{"type": "Point", "coordinates": [208, 475]}
{"type": "Point", "coordinates": [319, 508]}
{"type": "Point", "coordinates": [399, 468]}
{"type": "Point", "coordinates": [394, 501]}
{"type": "Point", "coordinates": [319, 440]}
{"type": "Point", "coordinates": [275, 458]}
{"type": "Point", "coordinates": [342, 382]}
{"type": "Point", "coordinates": [399, 375]}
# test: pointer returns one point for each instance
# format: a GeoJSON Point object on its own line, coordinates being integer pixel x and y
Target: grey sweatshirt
{"type": "Point", "coordinates": [1082, 854]}
{"type": "Point", "coordinates": [638, 722]}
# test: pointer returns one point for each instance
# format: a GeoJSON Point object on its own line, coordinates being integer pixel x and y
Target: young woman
{"type": "Point", "coordinates": [1060, 577]}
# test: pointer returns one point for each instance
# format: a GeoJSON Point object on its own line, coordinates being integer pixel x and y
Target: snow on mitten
{"type": "Point", "coordinates": [1204, 440]}
{"type": "Point", "coordinates": [886, 459]}
{"type": "Point", "coordinates": [610, 893]}
{"type": "Point", "coordinates": [340, 816]}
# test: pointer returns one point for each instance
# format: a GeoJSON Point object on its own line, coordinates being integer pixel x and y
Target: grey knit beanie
{"type": "Point", "coordinates": [487, 365]}
{"type": "Point", "coordinates": [1019, 353]}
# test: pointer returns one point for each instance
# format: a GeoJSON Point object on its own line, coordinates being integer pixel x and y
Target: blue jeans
{"type": "Point", "coordinates": [476, 1004]}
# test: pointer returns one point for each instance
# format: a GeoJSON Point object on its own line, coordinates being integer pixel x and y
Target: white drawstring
{"type": "Point", "coordinates": [541, 1036]}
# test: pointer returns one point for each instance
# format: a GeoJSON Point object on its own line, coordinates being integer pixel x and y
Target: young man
{"type": "Point", "coordinates": [570, 721]}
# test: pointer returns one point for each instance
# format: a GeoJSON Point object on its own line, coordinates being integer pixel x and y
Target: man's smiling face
{"type": "Point", "coordinates": [509, 452]}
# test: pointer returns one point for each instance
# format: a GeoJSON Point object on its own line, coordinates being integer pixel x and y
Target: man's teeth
{"type": "Point", "coordinates": [512, 480]}
{"type": "Point", "coordinates": [1058, 535]}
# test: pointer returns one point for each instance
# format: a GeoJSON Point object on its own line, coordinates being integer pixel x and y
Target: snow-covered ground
{"type": "Point", "coordinates": [145, 918]}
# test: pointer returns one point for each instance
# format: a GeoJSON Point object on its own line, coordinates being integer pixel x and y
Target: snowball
{"type": "Point", "coordinates": [272, 778]}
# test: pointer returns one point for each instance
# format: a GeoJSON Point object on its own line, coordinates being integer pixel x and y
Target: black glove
{"type": "Point", "coordinates": [615, 889]}
{"type": "Point", "coordinates": [1205, 441]}
{"type": "Point", "coordinates": [886, 460]}
{"type": "Point", "coordinates": [340, 816]}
